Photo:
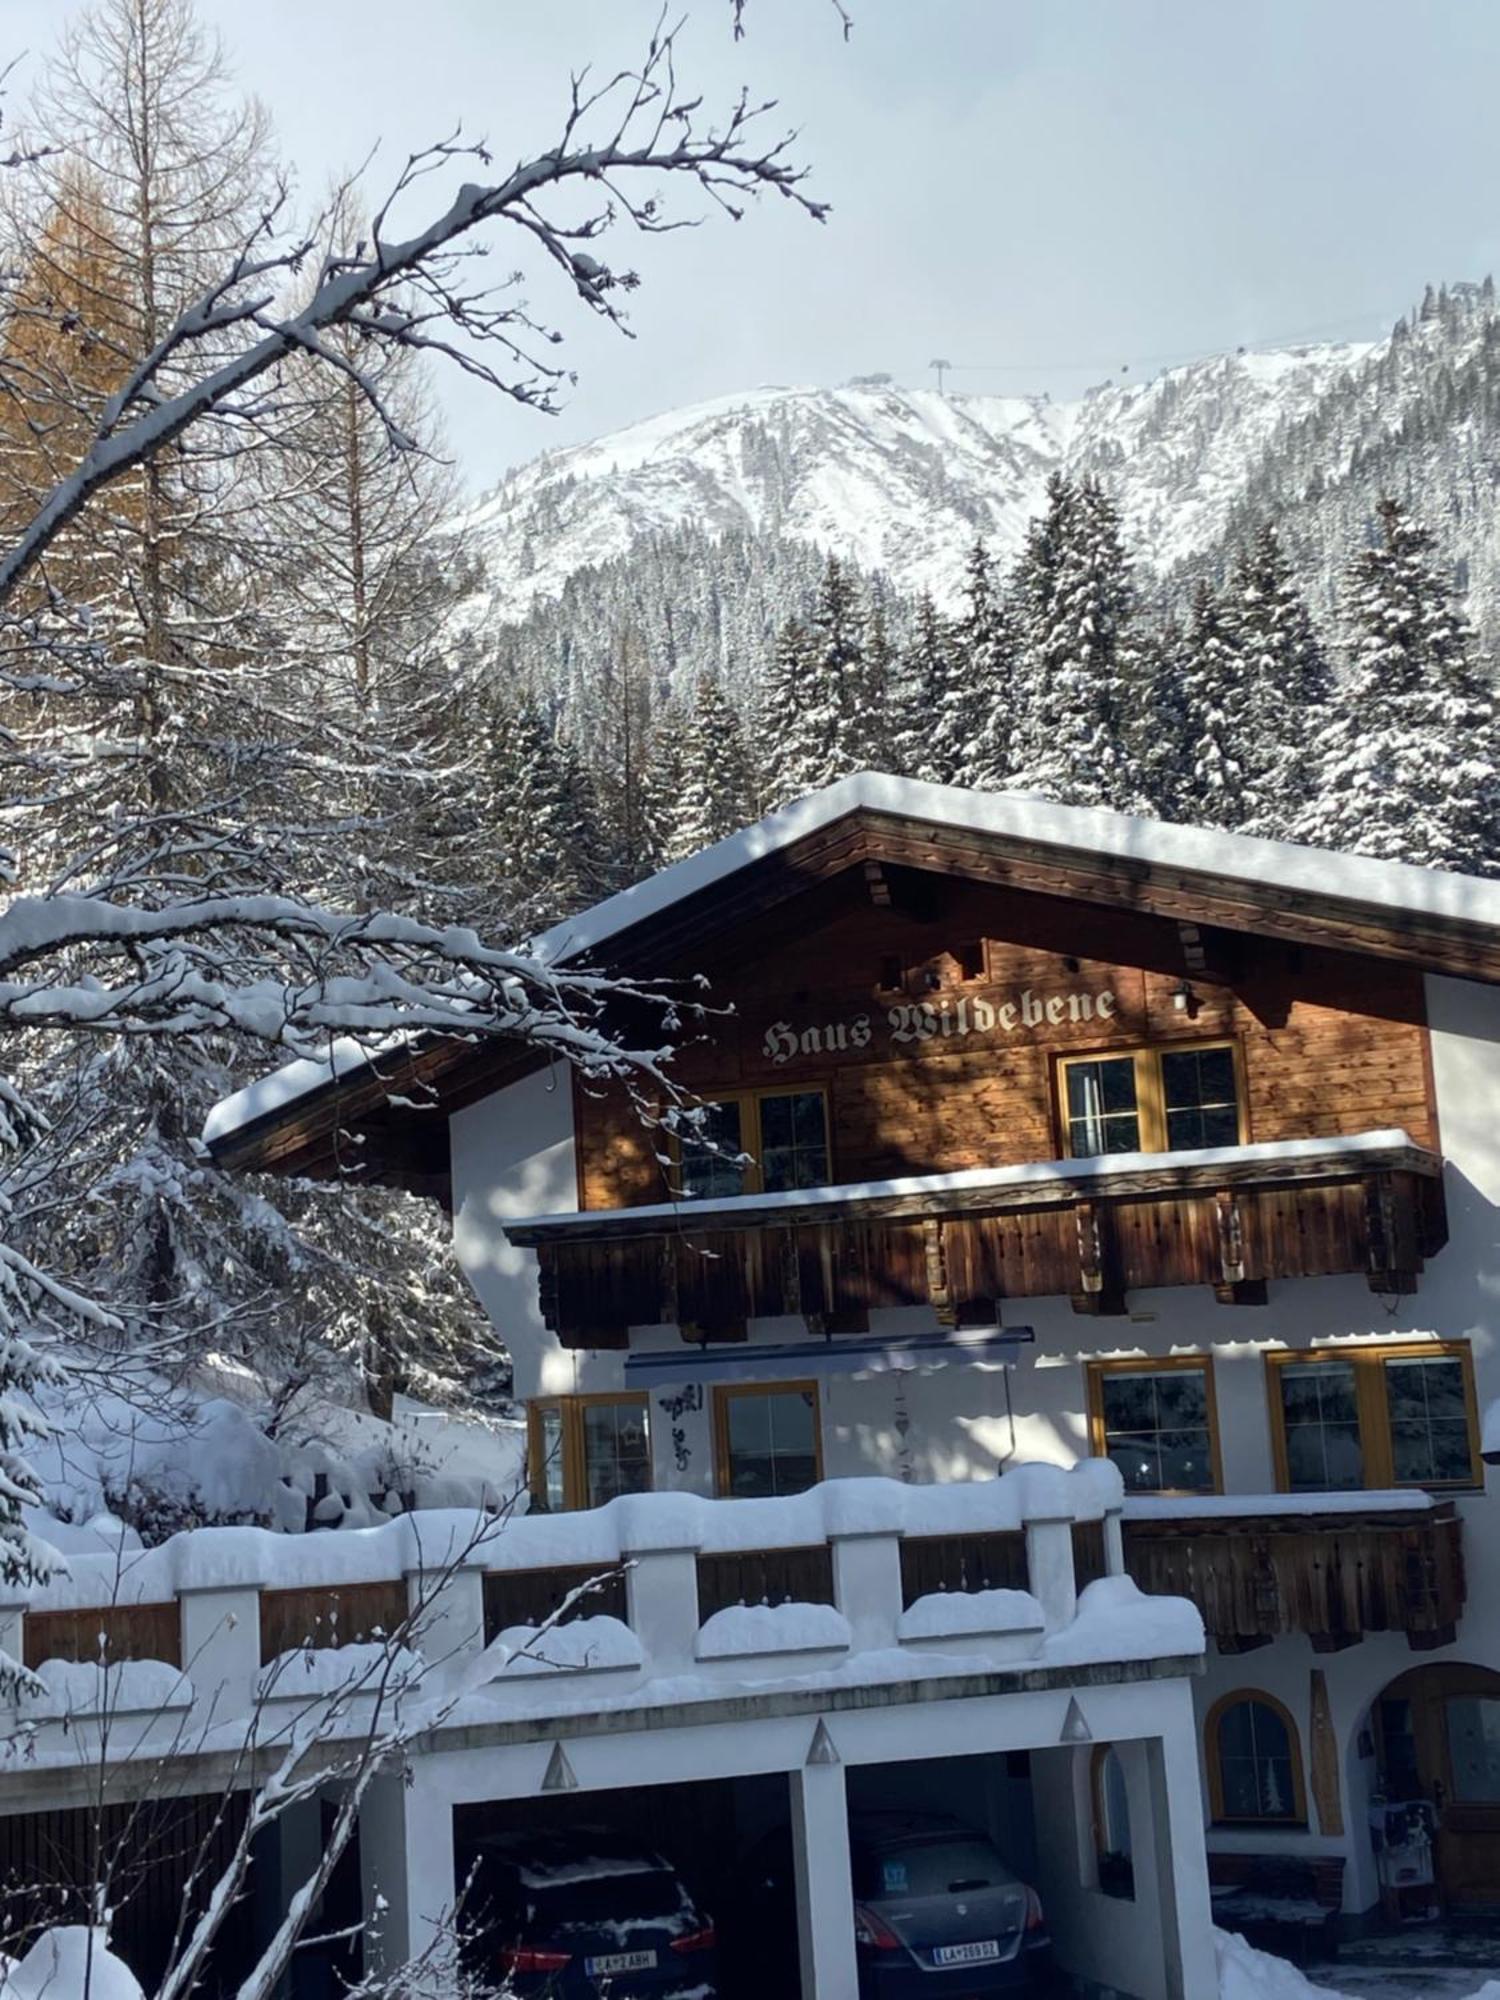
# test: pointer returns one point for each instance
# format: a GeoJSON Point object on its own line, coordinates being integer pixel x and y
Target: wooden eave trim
{"type": "Point", "coordinates": [691, 1218]}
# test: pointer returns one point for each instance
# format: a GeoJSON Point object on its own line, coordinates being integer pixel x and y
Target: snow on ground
{"type": "Point", "coordinates": [1247, 1974]}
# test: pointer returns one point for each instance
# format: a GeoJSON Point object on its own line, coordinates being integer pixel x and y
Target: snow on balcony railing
{"type": "Point", "coordinates": [669, 1648]}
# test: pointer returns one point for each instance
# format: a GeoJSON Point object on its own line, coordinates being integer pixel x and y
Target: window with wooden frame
{"type": "Point", "coordinates": [1401, 1413]}
{"type": "Point", "coordinates": [1158, 1421]}
{"type": "Point", "coordinates": [767, 1438]}
{"type": "Point", "coordinates": [1254, 1762]}
{"type": "Point", "coordinates": [584, 1450]}
{"type": "Point", "coordinates": [756, 1142]}
{"type": "Point", "coordinates": [1156, 1100]}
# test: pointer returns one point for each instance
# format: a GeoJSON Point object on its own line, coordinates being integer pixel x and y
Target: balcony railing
{"type": "Point", "coordinates": [1366, 1562]}
{"type": "Point", "coordinates": [1088, 1230]}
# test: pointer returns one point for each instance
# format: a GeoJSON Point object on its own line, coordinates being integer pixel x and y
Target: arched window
{"type": "Point", "coordinates": [1111, 1822]}
{"type": "Point", "coordinates": [1255, 1761]}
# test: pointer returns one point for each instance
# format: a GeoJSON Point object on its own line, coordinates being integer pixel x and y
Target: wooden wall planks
{"type": "Point", "coordinates": [1331, 1043]}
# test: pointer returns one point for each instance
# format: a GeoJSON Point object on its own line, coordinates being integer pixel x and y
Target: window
{"type": "Point", "coordinates": [1152, 1101]}
{"type": "Point", "coordinates": [1156, 1420]}
{"type": "Point", "coordinates": [1254, 1762]}
{"type": "Point", "coordinates": [584, 1450]}
{"type": "Point", "coordinates": [1377, 1416]}
{"type": "Point", "coordinates": [767, 1439]}
{"type": "Point", "coordinates": [783, 1133]}
{"type": "Point", "coordinates": [1474, 1747]}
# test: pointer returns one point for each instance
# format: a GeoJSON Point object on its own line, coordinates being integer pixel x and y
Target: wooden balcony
{"type": "Point", "coordinates": [1089, 1230]}
{"type": "Point", "coordinates": [1391, 1564]}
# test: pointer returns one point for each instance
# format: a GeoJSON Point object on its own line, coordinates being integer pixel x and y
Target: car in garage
{"type": "Point", "coordinates": [586, 1914]}
{"type": "Point", "coordinates": [938, 1912]}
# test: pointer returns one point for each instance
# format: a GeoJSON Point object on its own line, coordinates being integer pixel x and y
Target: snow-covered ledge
{"type": "Point", "coordinates": [1033, 1183]}
{"type": "Point", "coordinates": [665, 1650]}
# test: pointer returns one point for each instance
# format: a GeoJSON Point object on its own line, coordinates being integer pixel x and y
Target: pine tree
{"type": "Point", "coordinates": [713, 798]}
{"type": "Point", "coordinates": [1078, 682]}
{"type": "Point", "coordinates": [979, 715]}
{"type": "Point", "coordinates": [1409, 762]}
{"type": "Point", "coordinates": [819, 696]}
{"type": "Point", "coordinates": [1213, 788]}
{"type": "Point", "coordinates": [542, 818]}
{"type": "Point", "coordinates": [926, 681]}
{"type": "Point", "coordinates": [1286, 678]}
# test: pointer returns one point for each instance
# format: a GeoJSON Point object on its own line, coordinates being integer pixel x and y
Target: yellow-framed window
{"type": "Point", "coordinates": [1158, 1420]}
{"type": "Point", "coordinates": [1384, 1414]}
{"type": "Point", "coordinates": [768, 1438]}
{"type": "Point", "coordinates": [1254, 1759]}
{"type": "Point", "coordinates": [584, 1450]}
{"type": "Point", "coordinates": [1182, 1097]}
{"type": "Point", "coordinates": [756, 1142]}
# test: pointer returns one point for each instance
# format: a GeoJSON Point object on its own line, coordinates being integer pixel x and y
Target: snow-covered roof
{"type": "Point", "coordinates": [1393, 888]}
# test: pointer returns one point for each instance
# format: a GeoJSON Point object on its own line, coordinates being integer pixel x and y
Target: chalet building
{"type": "Point", "coordinates": [1038, 1134]}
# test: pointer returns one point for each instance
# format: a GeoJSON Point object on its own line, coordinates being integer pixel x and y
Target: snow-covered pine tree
{"type": "Point", "coordinates": [1409, 759]}
{"type": "Point", "coordinates": [542, 820]}
{"type": "Point", "coordinates": [1286, 680]}
{"type": "Point", "coordinates": [713, 796]}
{"type": "Point", "coordinates": [1213, 788]}
{"type": "Point", "coordinates": [1079, 682]}
{"type": "Point", "coordinates": [979, 714]}
{"type": "Point", "coordinates": [782, 727]}
{"type": "Point", "coordinates": [1160, 739]}
{"type": "Point", "coordinates": [925, 683]}
{"type": "Point", "coordinates": [822, 717]}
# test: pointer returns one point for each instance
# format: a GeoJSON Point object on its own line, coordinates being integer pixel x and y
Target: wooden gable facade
{"type": "Point", "coordinates": [935, 1018]}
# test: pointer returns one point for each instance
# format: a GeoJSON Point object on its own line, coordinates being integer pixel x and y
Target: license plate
{"type": "Point", "coordinates": [620, 1961]}
{"type": "Point", "coordinates": [966, 1954]}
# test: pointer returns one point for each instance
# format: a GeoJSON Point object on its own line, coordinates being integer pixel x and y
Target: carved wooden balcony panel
{"type": "Point", "coordinates": [1334, 1577]}
{"type": "Point", "coordinates": [962, 1243]}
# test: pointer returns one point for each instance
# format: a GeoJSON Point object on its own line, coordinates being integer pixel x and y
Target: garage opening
{"type": "Point", "coordinates": [615, 1878]}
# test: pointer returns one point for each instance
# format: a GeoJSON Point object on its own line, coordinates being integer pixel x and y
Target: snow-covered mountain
{"type": "Point", "coordinates": [701, 528]}
{"type": "Point", "coordinates": [899, 480]}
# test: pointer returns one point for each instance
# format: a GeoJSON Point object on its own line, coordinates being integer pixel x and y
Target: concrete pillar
{"type": "Point", "coordinates": [1181, 1865]}
{"type": "Point", "coordinates": [661, 1596]}
{"type": "Point", "coordinates": [290, 1857]}
{"type": "Point", "coordinates": [867, 1586]}
{"type": "Point", "coordinates": [825, 1888]}
{"type": "Point", "coordinates": [448, 1613]}
{"type": "Point", "coordinates": [1049, 1568]}
{"type": "Point", "coordinates": [406, 1865]}
{"type": "Point", "coordinates": [1114, 1543]}
{"type": "Point", "coordinates": [221, 1649]}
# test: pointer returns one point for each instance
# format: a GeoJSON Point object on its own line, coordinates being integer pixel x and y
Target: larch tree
{"type": "Point", "coordinates": [1409, 760]}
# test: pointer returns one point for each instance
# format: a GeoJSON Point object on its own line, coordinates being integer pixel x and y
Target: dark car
{"type": "Point", "coordinates": [588, 1913]}
{"type": "Point", "coordinates": [938, 1914]}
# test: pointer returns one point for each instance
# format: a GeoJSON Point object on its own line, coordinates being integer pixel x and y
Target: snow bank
{"type": "Point", "coordinates": [129, 1687]}
{"type": "Point", "coordinates": [945, 1614]}
{"type": "Point", "coordinates": [67, 1962]}
{"type": "Point", "coordinates": [1118, 1621]}
{"type": "Point", "coordinates": [582, 1645]}
{"type": "Point", "coordinates": [740, 1630]}
{"type": "Point", "coordinates": [330, 1669]}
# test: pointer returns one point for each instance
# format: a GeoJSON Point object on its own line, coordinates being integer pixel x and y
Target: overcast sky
{"type": "Point", "coordinates": [1041, 191]}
